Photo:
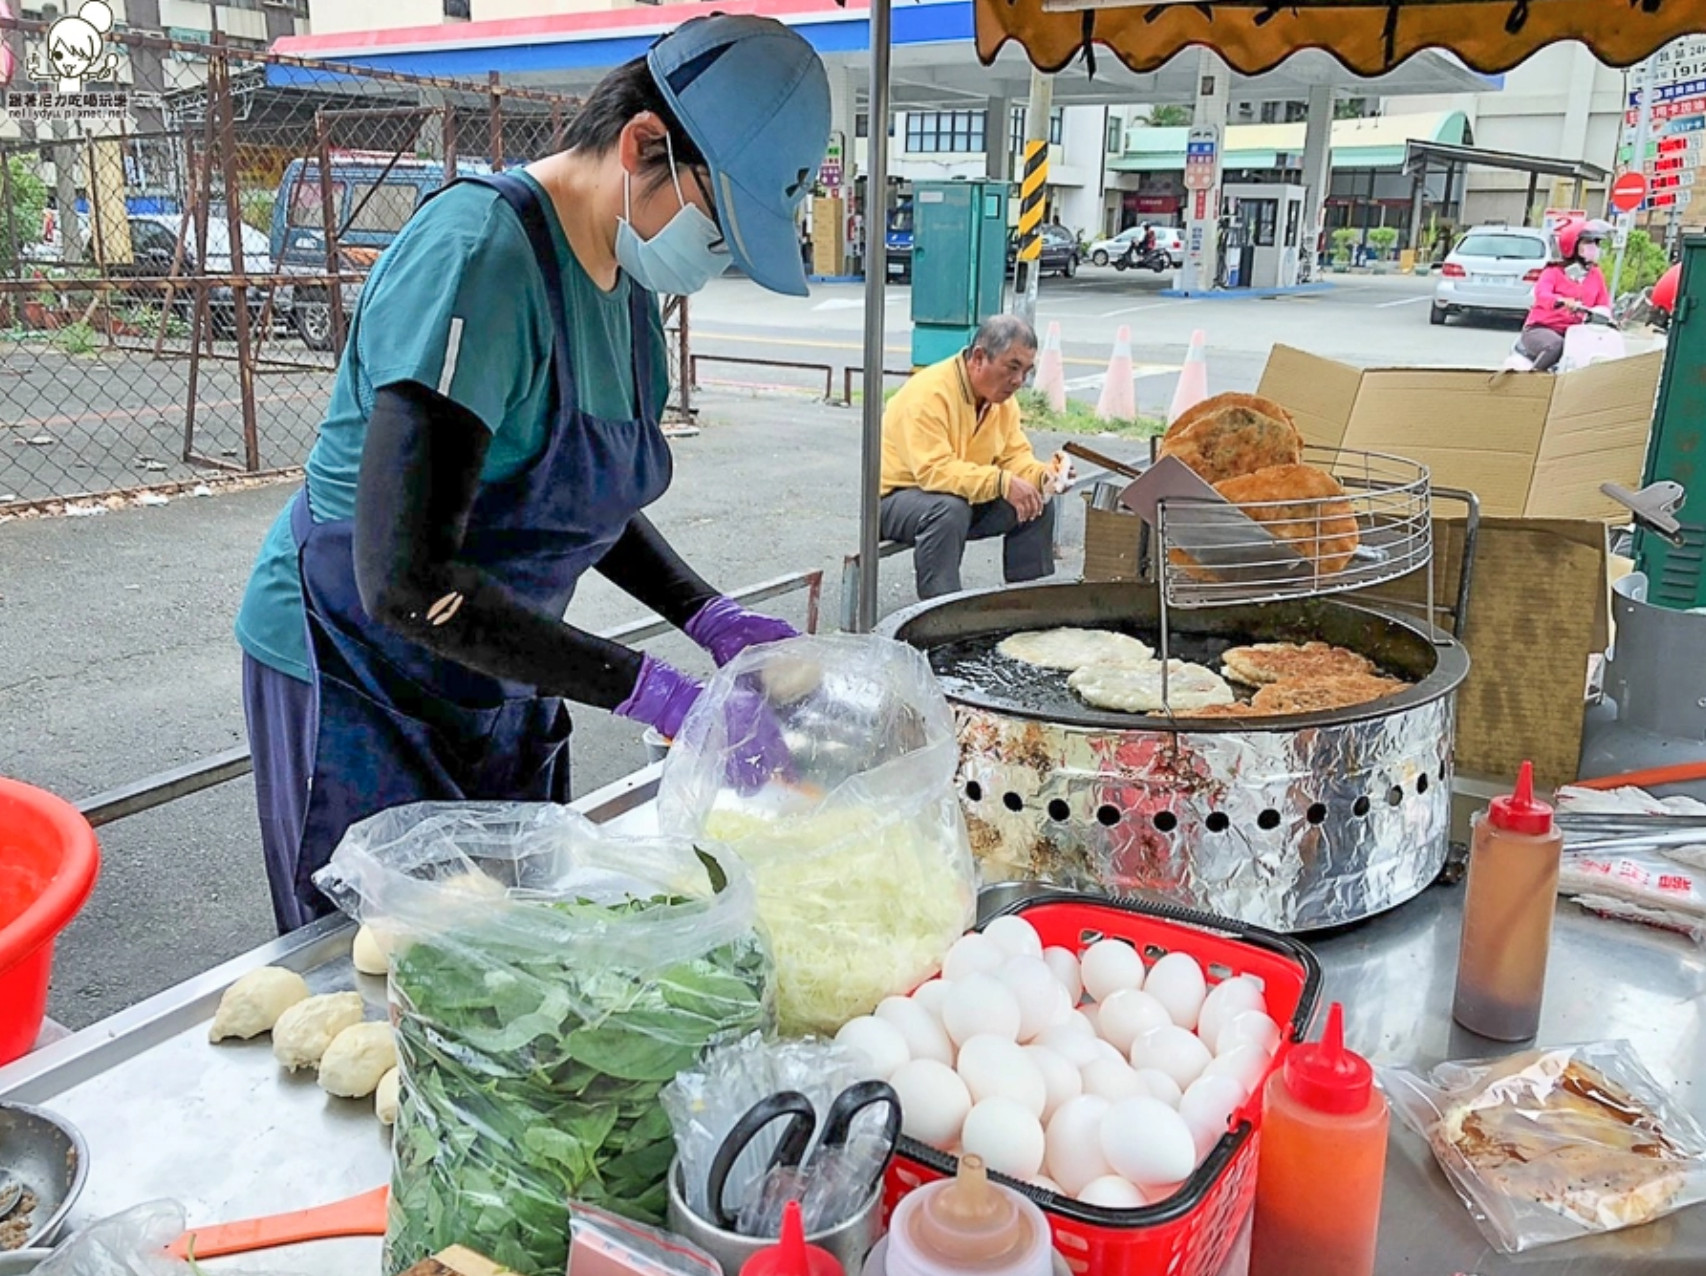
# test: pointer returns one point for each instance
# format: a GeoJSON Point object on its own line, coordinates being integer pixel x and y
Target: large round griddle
{"type": "Point", "coordinates": [960, 634]}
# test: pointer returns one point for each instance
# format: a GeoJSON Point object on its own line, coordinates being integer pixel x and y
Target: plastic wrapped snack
{"type": "Point", "coordinates": [1549, 1145]}
{"type": "Point", "coordinates": [605, 1244]}
{"type": "Point", "coordinates": [855, 840]}
{"type": "Point", "coordinates": [547, 980]}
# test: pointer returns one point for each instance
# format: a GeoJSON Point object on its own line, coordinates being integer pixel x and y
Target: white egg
{"type": "Point", "coordinates": [1176, 981]}
{"type": "Point", "coordinates": [932, 994]}
{"type": "Point", "coordinates": [1064, 963]}
{"type": "Point", "coordinates": [880, 1041]}
{"type": "Point", "coordinates": [1248, 1028]}
{"type": "Point", "coordinates": [933, 1101]}
{"type": "Point", "coordinates": [1112, 1080]}
{"type": "Point", "coordinates": [1173, 1050]}
{"type": "Point", "coordinates": [1075, 1143]}
{"type": "Point", "coordinates": [1109, 965]}
{"type": "Point", "coordinates": [1112, 1192]}
{"type": "Point", "coordinates": [1105, 1050]}
{"type": "Point", "coordinates": [981, 1004]}
{"type": "Point", "coordinates": [1207, 1106]}
{"type": "Point", "coordinates": [995, 1067]}
{"type": "Point", "coordinates": [1161, 1085]}
{"type": "Point", "coordinates": [1225, 999]}
{"type": "Point", "coordinates": [1088, 1016]}
{"type": "Point", "coordinates": [1042, 1001]}
{"type": "Point", "coordinates": [1147, 1142]}
{"type": "Point", "coordinates": [1045, 1183]}
{"type": "Point", "coordinates": [1245, 1064]}
{"type": "Point", "coordinates": [1006, 1135]}
{"type": "Point", "coordinates": [1074, 1044]}
{"type": "Point", "coordinates": [1016, 936]}
{"type": "Point", "coordinates": [1127, 1015]}
{"type": "Point", "coordinates": [971, 954]}
{"type": "Point", "coordinates": [924, 1035]}
{"type": "Point", "coordinates": [1061, 1079]}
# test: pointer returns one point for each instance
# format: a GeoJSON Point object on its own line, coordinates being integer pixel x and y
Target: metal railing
{"type": "Point", "coordinates": [205, 773]}
{"type": "Point", "coordinates": [694, 360]}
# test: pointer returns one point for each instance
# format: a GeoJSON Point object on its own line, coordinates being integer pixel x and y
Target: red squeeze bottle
{"type": "Point", "coordinates": [791, 1256]}
{"type": "Point", "coordinates": [1321, 1162]}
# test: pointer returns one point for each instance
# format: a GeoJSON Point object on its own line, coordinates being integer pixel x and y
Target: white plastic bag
{"type": "Point", "coordinates": [131, 1243]}
{"type": "Point", "coordinates": [547, 980]}
{"type": "Point", "coordinates": [1548, 1145]}
{"type": "Point", "coordinates": [859, 854]}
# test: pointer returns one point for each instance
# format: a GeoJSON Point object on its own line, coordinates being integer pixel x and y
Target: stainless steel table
{"type": "Point", "coordinates": [223, 1130]}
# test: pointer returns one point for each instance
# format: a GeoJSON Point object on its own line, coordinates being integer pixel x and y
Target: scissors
{"type": "Point", "coordinates": [796, 1137]}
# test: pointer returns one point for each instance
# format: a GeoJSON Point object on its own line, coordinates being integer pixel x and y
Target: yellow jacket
{"type": "Point", "coordinates": [935, 439]}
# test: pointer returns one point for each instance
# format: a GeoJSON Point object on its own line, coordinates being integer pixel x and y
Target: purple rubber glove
{"type": "Point", "coordinates": [725, 629]}
{"type": "Point", "coordinates": [662, 697]}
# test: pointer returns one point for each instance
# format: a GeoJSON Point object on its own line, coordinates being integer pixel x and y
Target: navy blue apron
{"type": "Point", "coordinates": [396, 723]}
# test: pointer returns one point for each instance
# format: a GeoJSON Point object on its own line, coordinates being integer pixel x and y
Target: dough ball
{"type": "Point", "coordinates": [369, 952]}
{"type": "Point", "coordinates": [303, 1032]}
{"type": "Point", "coordinates": [253, 1004]}
{"type": "Point", "coordinates": [358, 1058]}
{"type": "Point", "coordinates": [387, 1096]}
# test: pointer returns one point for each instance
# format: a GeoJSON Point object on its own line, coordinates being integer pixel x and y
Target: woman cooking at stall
{"type": "Point", "coordinates": [493, 434]}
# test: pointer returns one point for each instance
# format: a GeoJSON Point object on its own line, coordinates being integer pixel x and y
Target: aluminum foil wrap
{"type": "Point", "coordinates": [1291, 830]}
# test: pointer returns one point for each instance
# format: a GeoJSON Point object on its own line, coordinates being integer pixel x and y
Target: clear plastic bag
{"type": "Point", "coordinates": [547, 980]}
{"type": "Point", "coordinates": [605, 1244]}
{"type": "Point", "coordinates": [705, 1102]}
{"type": "Point", "coordinates": [1549, 1145]}
{"type": "Point", "coordinates": [131, 1243]}
{"type": "Point", "coordinates": [858, 849]}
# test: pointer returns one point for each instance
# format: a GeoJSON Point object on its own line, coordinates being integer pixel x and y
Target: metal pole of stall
{"type": "Point", "coordinates": [876, 276]}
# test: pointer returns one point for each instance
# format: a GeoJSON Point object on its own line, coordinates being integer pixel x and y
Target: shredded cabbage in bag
{"type": "Point", "coordinates": [858, 908]}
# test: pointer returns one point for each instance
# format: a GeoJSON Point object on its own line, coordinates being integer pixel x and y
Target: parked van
{"type": "Point", "coordinates": [372, 196]}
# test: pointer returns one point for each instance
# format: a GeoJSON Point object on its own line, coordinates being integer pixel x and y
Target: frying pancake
{"type": "Point", "coordinates": [1315, 695]}
{"type": "Point", "coordinates": [1233, 434]}
{"type": "Point", "coordinates": [1262, 663]}
{"type": "Point", "coordinates": [1137, 689]}
{"type": "Point", "coordinates": [1306, 517]}
{"type": "Point", "coordinates": [1069, 648]}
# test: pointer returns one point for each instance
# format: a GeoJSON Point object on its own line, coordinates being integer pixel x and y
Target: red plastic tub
{"type": "Point", "coordinates": [48, 861]}
{"type": "Point", "coordinates": [1193, 1231]}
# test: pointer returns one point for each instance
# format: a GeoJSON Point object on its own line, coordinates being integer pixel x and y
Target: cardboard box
{"type": "Point", "coordinates": [1539, 609]}
{"type": "Point", "coordinates": [1528, 445]}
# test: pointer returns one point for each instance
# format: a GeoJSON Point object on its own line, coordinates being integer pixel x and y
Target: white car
{"type": "Point", "coordinates": [1492, 268]}
{"type": "Point", "coordinates": [1170, 239]}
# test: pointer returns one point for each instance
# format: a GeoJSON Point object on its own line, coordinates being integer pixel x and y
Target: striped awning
{"type": "Point", "coordinates": [1368, 36]}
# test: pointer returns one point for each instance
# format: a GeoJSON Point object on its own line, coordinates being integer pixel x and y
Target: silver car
{"type": "Point", "coordinates": [1491, 268]}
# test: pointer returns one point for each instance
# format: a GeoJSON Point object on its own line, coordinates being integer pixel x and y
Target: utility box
{"type": "Point", "coordinates": [959, 264]}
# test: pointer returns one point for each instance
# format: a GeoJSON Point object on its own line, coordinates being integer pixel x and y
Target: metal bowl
{"type": "Point", "coordinates": [18, 1261]}
{"type": "Point", "coordinates": [48, 1155]}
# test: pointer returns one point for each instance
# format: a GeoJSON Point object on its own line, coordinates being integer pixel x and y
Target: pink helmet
{"type": "Point", "coordinates": [1664, 292]}
{"type": "Point", "coordinates": [1574, 231]}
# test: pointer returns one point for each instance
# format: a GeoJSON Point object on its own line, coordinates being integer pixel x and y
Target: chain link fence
{"type": "Point", "coordinates": [181, 247]}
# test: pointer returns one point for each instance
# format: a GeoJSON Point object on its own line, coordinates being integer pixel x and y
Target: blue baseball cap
{"type": "Point", "coordinates": [754, 98]}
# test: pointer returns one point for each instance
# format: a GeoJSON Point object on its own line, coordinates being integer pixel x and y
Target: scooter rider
{"type": "Point", "coordinates": [1140, 245]}
{"type": "Point", "coordinates": [1569, 290]}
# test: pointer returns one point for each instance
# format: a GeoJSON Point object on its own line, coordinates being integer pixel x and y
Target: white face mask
{"type": "Point", "coordinates": [682, 257]}
{"type": "Point", "coordinates": [1588, 252]}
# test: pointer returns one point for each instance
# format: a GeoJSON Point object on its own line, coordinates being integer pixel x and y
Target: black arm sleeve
{"type": "Point", "coordinates": [420, 468]}
{"type": "Point", "coordinates": [644, 565]}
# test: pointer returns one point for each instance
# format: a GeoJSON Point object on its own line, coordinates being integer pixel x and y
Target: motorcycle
{"type": "Point", "coordinates": [1135, 258]}
{"type": "Point", "coordinates": [1594, 340]}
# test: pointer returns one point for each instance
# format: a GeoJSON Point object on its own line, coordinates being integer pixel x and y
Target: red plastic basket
{"type": "Point", "coordinates": [1193, 1231]}
{"type": "Point", "coordinates": [48, 861]}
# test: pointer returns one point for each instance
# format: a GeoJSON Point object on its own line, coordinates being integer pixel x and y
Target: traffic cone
{"type": "Point", "coordinates": [1118, 401]}
{"type": "Point", "coordinates": [1051, 370]}
{"type": "Point", "coordinates": [1193, 380]}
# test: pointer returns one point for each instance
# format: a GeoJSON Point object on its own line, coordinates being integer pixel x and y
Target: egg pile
{"type": "Point", "coordinates": [1090, 1075]}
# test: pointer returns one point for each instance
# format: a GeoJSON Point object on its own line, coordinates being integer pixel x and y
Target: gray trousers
{"type": "Point", "coordinates": [1543, 345]}
{"type": "Point", "coordinates": [938, 525]}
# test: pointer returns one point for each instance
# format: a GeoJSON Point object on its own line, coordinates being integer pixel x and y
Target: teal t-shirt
{"type": "Point", "coordinates": [457, 305]}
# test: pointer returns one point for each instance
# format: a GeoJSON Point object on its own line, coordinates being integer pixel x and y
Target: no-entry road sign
{"type": "Point", "coordinates": [1628, 191]}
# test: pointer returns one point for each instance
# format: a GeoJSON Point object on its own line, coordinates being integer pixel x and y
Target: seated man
{"type": "Point", "coordinates": [957, 466]}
